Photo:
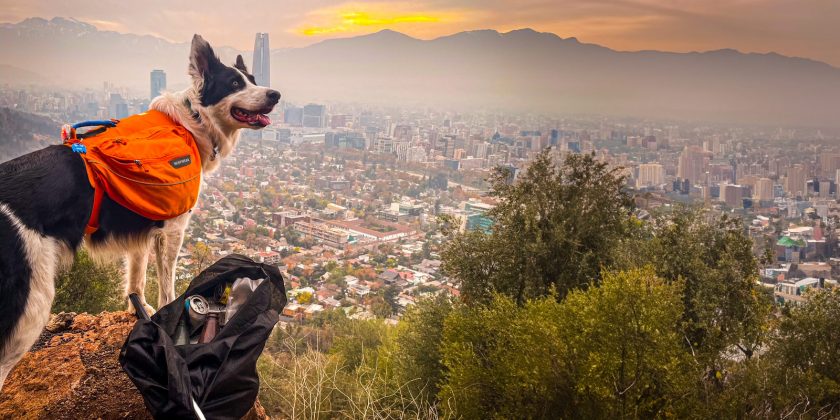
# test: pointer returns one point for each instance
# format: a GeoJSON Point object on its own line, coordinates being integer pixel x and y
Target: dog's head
{"type": "Point", "coordinates": [229, 95]}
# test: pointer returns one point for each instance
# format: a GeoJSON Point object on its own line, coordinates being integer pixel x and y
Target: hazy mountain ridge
{"type": "Point", "coordinates": [525, 69]}
{"type": "Point", "coordinates": [23, 132]}
{"type": "Point", "coordinates": [13, 75]}
{"type": "Point", "coordinates": [517, 70]}
{"type": "Point", "coordinates": [73, 53]}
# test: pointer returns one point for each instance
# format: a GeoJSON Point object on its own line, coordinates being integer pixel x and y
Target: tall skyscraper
{"type": "Point", "coordinates": [158, 83]}
{"type": "Point", "coordinates": [262, 60]}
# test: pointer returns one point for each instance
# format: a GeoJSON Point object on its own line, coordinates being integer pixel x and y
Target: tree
{"type": "Point", "coordinates": [390, 293]}
{"type": "Point", "coordinates": [556, 227]}
{"type": "Point", "coordinates": [202, 257]}
{"type": "Point", "coordinates": [380, 307]}
{"type": "Point", "coordinates": [89, 287]}
{"type": "Point", "coordinates": [612, 351]}
{"type": "Point", "coordinates": [625, 345]}
{"type": "Point", "coordinates": [722, 309]}
{"type": "Point", "coordinates": [805, 356]}
{"type": "Point", "coordinates": [303, 298]}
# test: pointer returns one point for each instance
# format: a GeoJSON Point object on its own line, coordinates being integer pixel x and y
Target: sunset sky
{"type": "Point", "coordinates": [805, 28]}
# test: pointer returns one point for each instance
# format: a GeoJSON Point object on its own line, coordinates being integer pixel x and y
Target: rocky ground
{"type": "Point", "coordinates": [72, 372]}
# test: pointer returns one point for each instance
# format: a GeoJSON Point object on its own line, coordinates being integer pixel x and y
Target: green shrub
{"type": "Point", "coordinates": [89, 286]}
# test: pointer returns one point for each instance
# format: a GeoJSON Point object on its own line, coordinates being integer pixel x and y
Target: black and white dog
{"type": "Point", "coordinates": [46, 200]}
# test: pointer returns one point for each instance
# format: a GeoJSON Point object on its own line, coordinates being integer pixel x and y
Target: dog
{"type": "Point", "coordinates": [46, 202]}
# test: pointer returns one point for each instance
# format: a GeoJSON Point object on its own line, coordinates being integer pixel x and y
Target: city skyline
{"type": "Point", "coordinates": [749, 26]}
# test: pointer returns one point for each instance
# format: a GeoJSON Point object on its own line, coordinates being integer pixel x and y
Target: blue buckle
{"type": "Point", "coordinates": [78, 148]}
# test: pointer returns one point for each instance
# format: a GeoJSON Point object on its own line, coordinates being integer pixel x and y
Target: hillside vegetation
{"type": "Point", "coordinates": [573, 308]}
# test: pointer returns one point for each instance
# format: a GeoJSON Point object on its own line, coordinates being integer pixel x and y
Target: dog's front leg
{"type": "Point", "coordinates": [167, 245]}
{"type": "Point", "coordinates": [4, 371]}
{"type": "Point", "coordinates": [135, 271]}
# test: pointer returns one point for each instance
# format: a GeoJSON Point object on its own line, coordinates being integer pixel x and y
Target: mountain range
{"type": "Point", "coordinates": [517, 70]}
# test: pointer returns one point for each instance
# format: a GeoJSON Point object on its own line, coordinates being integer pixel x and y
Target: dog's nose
{"type": "Point", "coordinates": [273, 95]}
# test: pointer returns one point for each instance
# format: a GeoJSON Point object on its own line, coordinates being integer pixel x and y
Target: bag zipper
{"type": "Point", "coordinates": [154, 184]}
{"type": "Point", "coordinates": [141, 162]}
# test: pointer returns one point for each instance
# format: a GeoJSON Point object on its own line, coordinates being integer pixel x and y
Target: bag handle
{"type": "Point", "coordinates": [138, 307]}
{"type": "Point", "coordinates": [68, 132]}
{"type": "Point", "coordinates": [94, 123]}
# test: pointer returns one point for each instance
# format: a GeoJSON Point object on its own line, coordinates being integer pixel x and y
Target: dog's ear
{"type": "Point", "coordinates": [202, 59]}
{"type": "Point", "coordinates": [240, 64]}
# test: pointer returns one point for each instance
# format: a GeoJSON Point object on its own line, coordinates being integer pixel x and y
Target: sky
{"type": "Point", "coordinates": [802, 28]}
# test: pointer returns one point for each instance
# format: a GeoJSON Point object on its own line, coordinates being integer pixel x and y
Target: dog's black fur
{"type": "Point", "coordinates": [223, 81]}
{"type": "Point", "coordinates": [33, 187]}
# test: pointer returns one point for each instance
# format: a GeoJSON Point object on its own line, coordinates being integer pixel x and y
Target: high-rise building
{"type": "Point", "coordinates": [262, 60]}
{"type": "Point", "coordinates": [383, 144]}
{"type": "Point", "coordinates": [829, 163]}
{"type": "Point", "coordinates": [402, 132]}
{"type": "Point", "coordinates": [763, 190]}
{"type": "Point", "coordinates": [796, 177]}
{"type": "Point", "coordinates": [692, 164]}
{"type": "Point", "coordinates": [650, 175]}
{"type": "Point", "coordinates": [825, 189]}
{"type": "Point", "coordinates": [401, 149]}
{"type": "Point", "coordinates": [293, 116]}
{"type": "Point", "coordinates": [158, 83]}
{"type": "Point", "coordinates": [314, 116]}
{"type": "Point", "coordinates": [117, 106]}
{"type": "Point", "coordinates": [340, 120]}
{"type": "Point", "coordinates": [732, 195]}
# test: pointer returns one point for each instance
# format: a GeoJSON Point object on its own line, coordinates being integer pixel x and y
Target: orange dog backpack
{"type": "Point", "coordinates": [147, 163]}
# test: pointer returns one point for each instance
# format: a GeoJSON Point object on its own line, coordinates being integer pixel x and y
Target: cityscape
{"type": "Point", "coordinates": [346, 199]}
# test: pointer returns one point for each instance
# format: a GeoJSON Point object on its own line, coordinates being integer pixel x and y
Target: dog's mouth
{"type": "Point", "coordinates": [253, 118]}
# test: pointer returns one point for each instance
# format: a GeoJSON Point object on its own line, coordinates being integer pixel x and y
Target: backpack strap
{"type": "Point", "coordinates": [74, 140]}
{"type": "Point", "coordinates": [93, 223]}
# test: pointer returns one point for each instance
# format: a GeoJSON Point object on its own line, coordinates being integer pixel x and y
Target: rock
{"type": "Point", "coordinates": [72, 372]}
{"type": "Point", "coordinates": [60, 322]}
{"type": "Point", "coordinates": [256, 413]}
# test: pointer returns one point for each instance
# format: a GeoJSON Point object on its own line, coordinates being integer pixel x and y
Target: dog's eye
{"type": "Point", "coordinates": [235, 83]}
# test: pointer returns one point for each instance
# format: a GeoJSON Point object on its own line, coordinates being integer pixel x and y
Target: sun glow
{"type": "Point", "coordinates": [351, 21]}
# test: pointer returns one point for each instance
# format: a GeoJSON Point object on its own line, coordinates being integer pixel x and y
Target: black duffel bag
{"type": "Point", "coordinates": [220, 376]}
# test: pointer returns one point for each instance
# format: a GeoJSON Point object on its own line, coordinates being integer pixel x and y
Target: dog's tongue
{"type": "Point", "coordinates": [263, 119]}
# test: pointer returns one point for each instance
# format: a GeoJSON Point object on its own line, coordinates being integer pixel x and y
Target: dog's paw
{"type": "Point", "coordinates": [148, 308]}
